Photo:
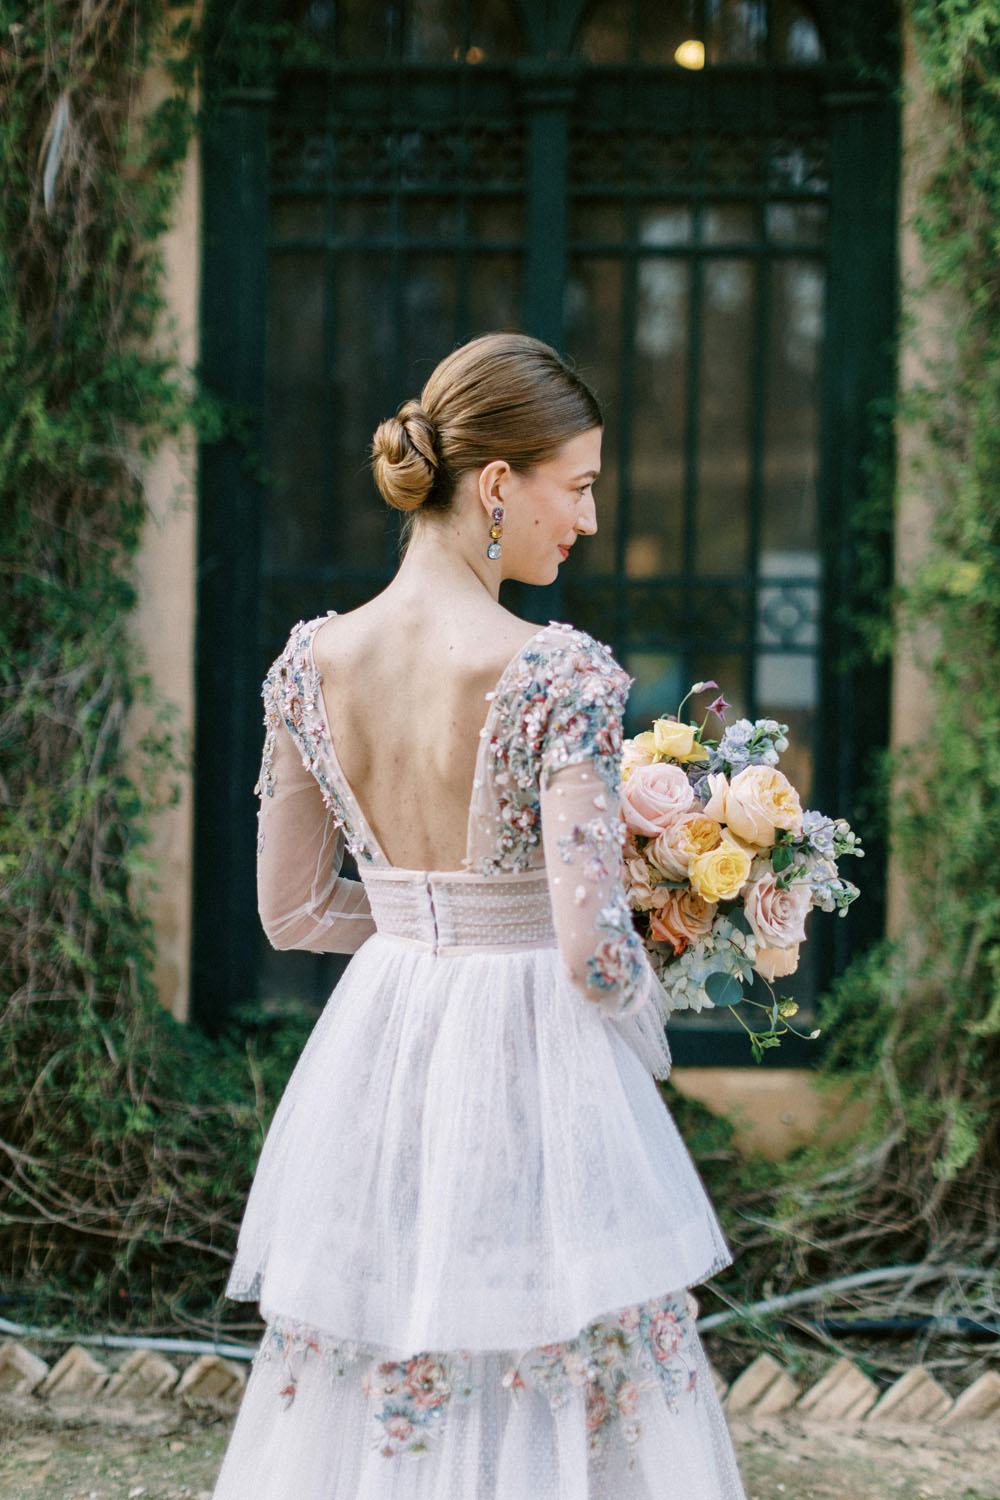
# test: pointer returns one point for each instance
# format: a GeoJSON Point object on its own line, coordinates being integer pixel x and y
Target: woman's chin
{"type": "Point", "coordinates": [539, 575]}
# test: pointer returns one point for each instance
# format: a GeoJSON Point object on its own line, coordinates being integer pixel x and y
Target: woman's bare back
{"type": "Point", "coordinates": [404, 685]}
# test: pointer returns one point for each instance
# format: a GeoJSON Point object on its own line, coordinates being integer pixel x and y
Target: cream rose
{"type": "Point", "coordinates": [758, 801]}
{"type": "Point", "coordinates": [640, 883]}
{"type": "Point", "coordinates": [670, 737]}
{"type": "Point", "coordinates": [685, 836]}
{"type": "Point", "coordinates": [776, 963]}
{"type": "Point", "coordinates": [682, 917]}
{"type": "Point", "coordinates": [777, 915]}
{"type": "Point", "coordinates": [653, 795]}
{"type": "Point", "coordinates": [721, 873]}
{"type": "Point", "coordinates": [637, 752]}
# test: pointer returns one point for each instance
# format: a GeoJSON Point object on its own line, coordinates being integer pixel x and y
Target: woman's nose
{"type": "Point", "coordinates": [586, 519]}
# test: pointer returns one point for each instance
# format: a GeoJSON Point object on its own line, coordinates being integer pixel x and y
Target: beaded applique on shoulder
{"type": "Point", "coordinates": [292, 694]}
{"type": "Point", "coordinates": [561, 701]}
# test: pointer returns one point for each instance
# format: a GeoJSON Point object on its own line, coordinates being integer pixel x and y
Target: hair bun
{"type": "Point", "coordinates": [404, 457]}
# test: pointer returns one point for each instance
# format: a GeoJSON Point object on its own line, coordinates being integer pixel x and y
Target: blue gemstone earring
{"type": "Point", "coordinates": [496, 532]}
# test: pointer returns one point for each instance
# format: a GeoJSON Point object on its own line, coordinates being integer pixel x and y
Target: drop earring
{"type": "Point", "coordinates": [496, 532]}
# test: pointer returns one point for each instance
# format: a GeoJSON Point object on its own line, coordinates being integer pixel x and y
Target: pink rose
{"type": "Point", "coordinates": [777, 916]}
{"type": "Point", "coordinates": [628, 1399]}
{"type": "Point", "coordinates": [399, 1428]}
{"type": "Point", "coordinates": [653, 795]}
{"type": "Point", "coordinates": [757, 801]}
{"type": "Point", "coordinates": [426, 1382]}
{"type": "Point", "coordinates": [665, 1336]}
{"type": "Point", "coordinates": [597, 1408]}
{"type": "Point", "coordinates": [776, 963]}
{"type": "Point", "coordinates": [686, 835]}
{"type": "Point", "coordinates": [682, 917]}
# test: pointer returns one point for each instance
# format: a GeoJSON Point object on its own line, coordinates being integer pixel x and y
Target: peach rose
{"type": "Point", "coordinates": [685, 836]}
{"type": "Point", "coordinates": [653, 795]}
{"type": "Point", "coordinates": [777, 915]}
{"type": "Point", "coordinates": [757, 801]}
{"type": "Point", "coordinates": [682, 917]}
{"type": "Point", "coordinates": [776, 963]}
{"type": "Point", "coordinates": [720, 873]}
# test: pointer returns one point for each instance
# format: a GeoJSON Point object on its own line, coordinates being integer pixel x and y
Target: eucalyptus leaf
{"type": "Point", "coordinates": [723, 989]}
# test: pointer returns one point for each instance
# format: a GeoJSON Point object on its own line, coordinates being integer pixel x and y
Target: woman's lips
{"type": "Point", "coordinates": [565, 552]}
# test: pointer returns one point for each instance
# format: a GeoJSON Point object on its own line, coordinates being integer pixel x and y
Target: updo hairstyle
{"type": "Point", "coordinates": [502, 396]}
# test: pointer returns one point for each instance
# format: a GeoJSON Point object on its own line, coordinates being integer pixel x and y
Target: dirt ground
{"type": "Point", "coordinates": [174, 1455]}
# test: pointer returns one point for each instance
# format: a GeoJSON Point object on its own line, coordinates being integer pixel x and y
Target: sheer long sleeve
{"type": "Point", "coordinates": [303, 900]}
{"type": "Point", "coordinates": [582, 834]}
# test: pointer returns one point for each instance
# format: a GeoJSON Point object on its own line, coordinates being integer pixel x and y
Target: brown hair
{"type": "Point", "coordinates": [504, 395]}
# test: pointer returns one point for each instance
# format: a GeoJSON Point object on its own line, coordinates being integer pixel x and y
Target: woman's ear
{"type": "Point", "coordinates": [491, 481]}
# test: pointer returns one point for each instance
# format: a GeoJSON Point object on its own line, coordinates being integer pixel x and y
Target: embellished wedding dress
{"type": "Point", "coordinates": [473, 1222]}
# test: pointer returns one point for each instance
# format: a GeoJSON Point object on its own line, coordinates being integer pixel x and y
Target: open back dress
{"type": "Point", "coordinates": [473, 1221]}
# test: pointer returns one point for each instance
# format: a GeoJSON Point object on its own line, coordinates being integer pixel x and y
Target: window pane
{"type": "Point", "coordinates": [724, 416]}
{"type": "Point", "coordinates": [296, 219]}
{"type": "Point", "coordinates": [795, 36]}
{"type": "Point", "coordinates": [661, 355]}
{"type": "Point", "coordinates": [736, 31]}
{"type": "Point", "coordinates": [728, 224]}
{"type": "Point", "coordinates": [296, 408]}
{"type": "Point", "coordinates": [593, 337]}
{"type": "Point", "coordinates": [791, 517]}
{"type": "Point", "coordinates": [796, 223]}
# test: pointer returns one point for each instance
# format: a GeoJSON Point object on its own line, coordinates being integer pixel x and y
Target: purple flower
{"type": "Point", "coordinates": [703, 687]}
{"type": "Point", "coordinates": [718, 708]}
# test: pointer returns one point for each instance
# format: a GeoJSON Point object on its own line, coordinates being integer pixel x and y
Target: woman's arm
{"type": "Point", "coordinates": [303, 900]}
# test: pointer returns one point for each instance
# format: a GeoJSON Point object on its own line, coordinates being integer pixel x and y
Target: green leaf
{"type": "Point", "coordinates": [723, 989]}
{"type": "Point", "coordinates": [781, 857]}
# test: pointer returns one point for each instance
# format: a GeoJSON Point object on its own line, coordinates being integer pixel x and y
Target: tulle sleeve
{"type": "Point", "coordinates": [582, 834]}
{"type": "Point", "coordinates": [303, 900]}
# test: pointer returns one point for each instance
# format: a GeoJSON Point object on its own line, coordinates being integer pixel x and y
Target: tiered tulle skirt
{"type": "Point", "coordinates": [469, 1233]}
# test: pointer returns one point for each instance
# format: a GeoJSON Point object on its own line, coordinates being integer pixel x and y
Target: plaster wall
{"type": "Point", "coordinates": [164, 620]}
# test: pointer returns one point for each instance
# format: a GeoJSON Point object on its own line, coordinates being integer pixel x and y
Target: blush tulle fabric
{"type": "Point", "coordinates": [473, 1220]}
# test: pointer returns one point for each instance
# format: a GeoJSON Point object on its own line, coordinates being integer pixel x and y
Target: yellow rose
{"type": "Point", "coordinates": [676, 740]}
{"type": "Point", "coordinates": [720, 873]}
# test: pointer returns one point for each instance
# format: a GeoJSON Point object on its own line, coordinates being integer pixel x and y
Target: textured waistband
{"type": "Point", "coordinates": [448, 913]}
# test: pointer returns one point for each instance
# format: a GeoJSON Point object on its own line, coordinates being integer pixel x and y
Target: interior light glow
{"type": "Point", "coordinates": [690, 54]}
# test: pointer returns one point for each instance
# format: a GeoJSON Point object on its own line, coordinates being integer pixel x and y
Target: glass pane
{"type": "Point", "coordinates": [736, 31]}
{"type": "Point", "coordinates": [728, 224]}
{"type": "Point", "coordinates": [421, 31]}
{"type": "Point", "coordinates": [796, 223]}
{"type": "Point", "coordinates": [296, 408]}
{"type": "Point", "coordinates": [432, 218]}
{"type": "Point", "coordinates": [597, 221]}
{"type": "Point", "coordinates": [496, 218]}
{"type": "Point", "coordinates": [362, 218]}
{"type": "Point", "coordinates": [724, 416]}
{"type": "Point", "coordinates": [787, 690]}
{"type": "Point", "coordinates": [795, 36]}
{"type": "Point", "coordinates": [665, 224]}
{"type": "Point", "coordinates": [664, 28]}
{"type": "Point", "coordinates": [791, 455]}
{"type": "Point", "coordinates": [656, 528]}
{"type": "Point", "coordinates": [362, 392]}
{"type": "Point", "coordinates": [604, 35]}
{"type": "Point", "coordinates": [593, 338]}
{"type": "Point", "coordinates": [429, 308]}
{"type": "Point", "coordinates": [494, 293]}
{"type": "Point", "coordinates": [296, 219]}
{"type": "Point", "coordinates": [657, 689]}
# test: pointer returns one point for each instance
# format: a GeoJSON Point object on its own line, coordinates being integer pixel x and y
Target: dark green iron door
{"type": "Point", "coordinates": [698, 238]}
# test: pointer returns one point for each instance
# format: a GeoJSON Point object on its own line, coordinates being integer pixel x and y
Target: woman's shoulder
{"type": "Point", "coordinates": [574, 653]}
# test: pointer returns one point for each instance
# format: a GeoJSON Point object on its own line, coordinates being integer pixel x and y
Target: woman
{"type": "Point", "coordinates": [473, 1222]}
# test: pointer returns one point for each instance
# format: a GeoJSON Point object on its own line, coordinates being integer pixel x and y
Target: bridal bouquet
{"type": "Point", "coordinates": [722, 864]}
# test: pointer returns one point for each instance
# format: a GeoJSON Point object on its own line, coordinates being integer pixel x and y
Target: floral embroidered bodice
{"type": "Point", "coordinates": [543, 859]}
